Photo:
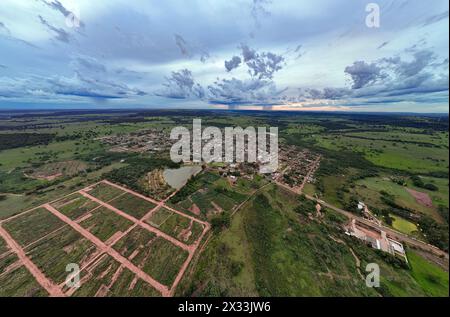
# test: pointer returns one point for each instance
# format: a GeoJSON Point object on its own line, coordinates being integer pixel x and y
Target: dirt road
{"type": "Point", "coordinates": [48, 285]}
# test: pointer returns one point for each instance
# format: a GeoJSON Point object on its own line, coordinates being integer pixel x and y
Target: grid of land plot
{"type": "Point", "coordinates": [124, 243]}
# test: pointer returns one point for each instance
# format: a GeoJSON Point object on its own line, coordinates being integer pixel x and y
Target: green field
{"type": "Point", "coordinates": [20, 283]}
{"type": "Point", "coordinates": [408, 157]}
{"type": "Point", "coordinates": [105, 192]}
{"type": "Point", "coordinates": [403, 225]}
{"type": "Point", "coordinates": [55, 252]}
{"type": "Point", "coordinates": [176, 225]}
{"type": "Point", "coordinates": [163, 261]}
{"type": "Point", "coordinates": [32, 226]}
{"type": "Point", "coordinates": [104, 223]}
{"type": "Point", "coordinates": [101, 279]}
{"type": "Point", "coordinates": [369, 190]}
{"type": "Point", "coordinates": [156, 256]}
{"type": "Point", "coordinates": [133, 205]}
{"type": "Point", "coordinates": [75, 206]}
{"type": "Point", "coordinates": [134, 241]}
{"type": "Point", "coordinates": [432, 279]}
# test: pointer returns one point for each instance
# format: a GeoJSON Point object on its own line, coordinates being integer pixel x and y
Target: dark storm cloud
{"type": "Point", "coordinates": [363, 73]}
{"type": "Point", "coordinates": [418, 74]}
{"type": "Point", "coordinates": [60, 34]}
{"type": "Point", "coordinates": [233, 63]}
{"type": "Point", "coordinates": [238, 92]}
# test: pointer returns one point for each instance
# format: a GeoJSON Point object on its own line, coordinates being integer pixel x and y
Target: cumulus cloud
{"type": "Point", "coordinates": [261, 65]}
{"type": "Point", "coordinates": [233, 63]}
{"type": "Point", "coordinates": [181, 85]}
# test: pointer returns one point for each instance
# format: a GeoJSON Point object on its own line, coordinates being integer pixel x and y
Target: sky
{"type": "Point", "coordinates": [330, 55]}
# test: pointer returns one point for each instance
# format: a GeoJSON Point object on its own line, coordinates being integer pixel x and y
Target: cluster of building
{"type": "Point", "coordinates": [297, 166]}
{"type": "Point", "coordinates": [376, 238]}
{"type": "Point", "coordinates": [148, 140]}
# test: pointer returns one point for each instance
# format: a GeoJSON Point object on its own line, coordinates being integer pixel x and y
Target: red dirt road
{"type": "Point", "coordinates": [105, 248]}
{"type": "Point", "coordinates": [49, 286]}
{"type": "Point", "coordinates": [136, 221]}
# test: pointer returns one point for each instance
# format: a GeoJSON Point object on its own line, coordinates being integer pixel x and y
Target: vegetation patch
{"type": "Point", "coordinates": [105, 192]}
{"type": "Point", "coordinates": [53, 253]}
{"type": "Point", "coordinates": [104, 223]}
{"type": "Point", "coordinates": [32, 225]}
{"type": "Point", "coordinates": [74, 206]}
{"type": "Point", "coordinates": [133, 205]}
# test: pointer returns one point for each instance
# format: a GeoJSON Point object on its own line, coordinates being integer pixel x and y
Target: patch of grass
{"type": "Point", "coordinates": [162, 260]}
{"type": "Point", "coordinates": [135, 241]}
{"type": "Point", "coordinates": [32, 226]}
{"type": "Point", "coordinates": [105, 192]}
{"type": "Point", "coordinates": [433, 280]}
{"type": "Point", "coordinates": [403, 225]}
{"type": "Point", "coordinates": [133, 205]}
{"type": "Point", "coordinates": [20, 283]}
{"type": "Point", "coordinates": [176, 225]}
{"type": "Point", "coordinates": [122, 287]}
{"type": "Point", "coordinates": [104, 223]}
{"type": "Point", "coordinates": [53, 253]}
{"type": "Point", "coordinates": [74, 206]}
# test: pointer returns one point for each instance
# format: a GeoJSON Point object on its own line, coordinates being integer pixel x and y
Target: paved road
{"type": "Point", "coordinates": [390, 232]}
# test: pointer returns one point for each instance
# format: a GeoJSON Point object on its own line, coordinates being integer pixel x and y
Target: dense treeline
{"type": "Point", "coordinates": [15, 140]}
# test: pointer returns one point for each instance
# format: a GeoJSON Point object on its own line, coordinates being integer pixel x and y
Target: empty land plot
{"type": "Point", "coordinates": [182, 228]}
{"type": "Point", "coordinates": [162, 260]}
{"type": "Point", "coordinates": [133, 205]}
{"type": "Point", "coordinates": [74, 206]}
{"type": "Point", "coordinates": [8, 262]}
{"type": "Point", "coordinates": [128, 285]}
{"type": "Point", "coordinates": [97, 279]}
{"type": "Point", "coordinates": [53, 253]}
{"type": "Point", "coordinates": [3, 246]}
{"type": "Point", "coordinates": [32, 225]}
{"type": "Point", "coordinates": [20, 283]}
{"type": "Point", "coordinates": [104, 192]}
{"type": "Point", "coordinates": [134, 242]}
{"type": "Point", "coordinates": [104, 223]}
